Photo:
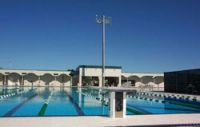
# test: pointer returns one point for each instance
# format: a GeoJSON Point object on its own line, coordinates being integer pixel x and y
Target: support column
{"type": "Point", "coordinates": [127, 81]}
{"type": "Point", "coordinates": [80, 81]}
{"type": "Point", "coordinates": [117, 104]}
{"type": "Point", "coordinates": [5, 83]}
{"type": "Point", "coordinates": [55, 79]}
{"type": "Point", "coordinates": [39, 80]}
{"type": "Point", "coordinates": [124, 104]}
{"type": "Point", "coordinates": [80, 78]}
{"type": "Point", "coordinates": [32, 84]}
{"type": "Point", "coordinates": [100, 81]}
{"type": "Point", "coordinates": [112, 104]}
{"type": "Point", "coordinates": [120, 82]}
{"type": "Point", "coordinates": [80, 97]}
{"type": "Point", "coordinates": [71, 81]}
{"type": "Point", "coordinates": [22, 81]}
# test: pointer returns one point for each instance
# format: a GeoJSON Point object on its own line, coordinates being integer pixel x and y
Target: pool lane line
{"type": "Point", "coordinates": [184, 104]}
{"type": "Point", "coordinates": [3, 97]}
{"type": "Point", "coordinates": [13, 110]}
{"type": "Point", "coordinates": [170, 108]}
{"type": "Point", "coordinates": [136, 110]}
{"type": "Point", "coordinates": [11, 94]}
{"type": "Point", "coordinates": [44, 107]}
{"type": "Point", "coordinates": [196, 108]}
{"type": "Point", "coordinates": [9, 91]}
{"type": "Point", "coordinates": [78, 109]}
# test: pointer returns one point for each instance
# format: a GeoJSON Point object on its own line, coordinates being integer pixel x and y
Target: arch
{"type": "Point", "coordinates": [63, 78]}
{"type": "Point", "coordinates": [152, 84]}
{"type": "Point", "coordinates": [124, 80]}
{"type": "Point", "coordinates": [146, 79]}
{"type": "Point", "coordinates": [134, 77]}
{"type": "Point", "coordinates": [139, 84]}
{"type": "Point", "coordinates": [14, 77]}
{"type": "Point", "coordinates": [47, 78]}
{"type": "Point", "coordinates": [158, 79]}
{"type": "Point", "coordinates": [31, 77]}
{"type": "Point", "coordinates": [162, 85]}
{"type": "Point", "coordinates": [123, 77]}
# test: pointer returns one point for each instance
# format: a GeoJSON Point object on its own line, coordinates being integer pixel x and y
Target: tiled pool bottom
{"type": "Point", "coordinates": [65, 101]}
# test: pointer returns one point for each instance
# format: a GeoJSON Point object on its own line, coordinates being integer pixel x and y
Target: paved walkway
{"type": "Point", "coordinates": [99, 121]}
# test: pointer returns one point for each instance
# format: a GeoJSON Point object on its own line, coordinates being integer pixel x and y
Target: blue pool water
{"type": "Point", "coordinates": [65, 101]}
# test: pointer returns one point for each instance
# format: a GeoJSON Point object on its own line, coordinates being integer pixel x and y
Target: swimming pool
{"type": "Point", "coordinates": [73, 101]}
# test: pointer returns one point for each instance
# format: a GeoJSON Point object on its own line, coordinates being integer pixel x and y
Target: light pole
{"type": "Point", "coordinates": [103, 20]}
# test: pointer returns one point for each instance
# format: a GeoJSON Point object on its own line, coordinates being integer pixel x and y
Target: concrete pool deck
{"type": "Point", "coordinates": [99, 121]}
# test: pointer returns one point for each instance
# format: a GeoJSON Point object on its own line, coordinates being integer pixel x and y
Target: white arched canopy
{"type": "Point", "coordinates": [158, 79]}
{"type": "Point", "coordinates": [134, 77]}
{"type": "Point", "coordinates": [146, 79]}
{"type": "Point", "coordinates": [14, 77]}
{"type": "Point", "coordinates": [31, 77]}
{"type": "Point", "coordinates": [123, 77]}
{"type": "Point", "coordinates": [47, 78]}
{"type": "Point", "coordinates": [63, 78]}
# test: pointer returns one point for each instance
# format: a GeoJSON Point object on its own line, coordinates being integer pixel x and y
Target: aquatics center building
{"type": "Point", "coordinates": [83, 75]}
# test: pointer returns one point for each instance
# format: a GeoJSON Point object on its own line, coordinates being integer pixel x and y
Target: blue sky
{"type": "Point", "coordinates": [145, 35]}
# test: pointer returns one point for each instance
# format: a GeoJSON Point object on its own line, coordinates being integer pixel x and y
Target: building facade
{"type": "Point", "coordinates": [12, 77]}
{"type": "Point", "coordinates": [186, 81]}
{"type": "Point", "coordinates": [92, 75]}
{"type": "Point", "coordinates": [84, 75]}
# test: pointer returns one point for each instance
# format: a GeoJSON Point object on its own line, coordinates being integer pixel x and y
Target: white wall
{"type": "Point", "coordinates": [98, 71]}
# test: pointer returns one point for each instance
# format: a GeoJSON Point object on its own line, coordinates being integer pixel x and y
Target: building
{"type": "Point", "coordinates": [91, 75]}
{"type": "Point", "coordinates": [84, 75]}
{"type": "Point", "coordinates": [185, 81]}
